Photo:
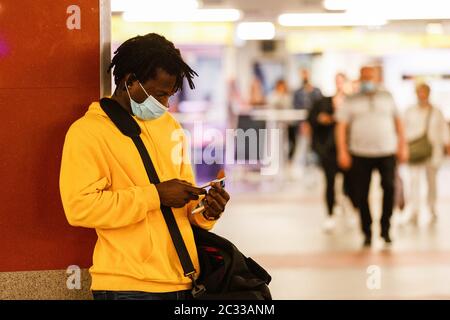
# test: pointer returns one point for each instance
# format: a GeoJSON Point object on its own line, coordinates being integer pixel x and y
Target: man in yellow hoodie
{"type": "Point", "coordinates": [104, 184]}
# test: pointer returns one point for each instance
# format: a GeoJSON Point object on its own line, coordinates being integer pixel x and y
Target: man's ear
{"type": "Point", "coordinates": [128, 80]}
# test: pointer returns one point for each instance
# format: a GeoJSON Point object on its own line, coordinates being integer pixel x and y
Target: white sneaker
{"type": "Point", "coordinates": [433, 218]}
{"type": "Point", "coordinates": [413, 219]}
{"type": "Point", "coordinates": [329, 224]}
{"type": "Point", "coordinates": [349, 214]}
{"type": "Point", "coordinates": [352, 221]}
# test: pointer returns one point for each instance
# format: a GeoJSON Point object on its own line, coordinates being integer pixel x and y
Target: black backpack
{"type": "Point", "coordinates": [226, 274]}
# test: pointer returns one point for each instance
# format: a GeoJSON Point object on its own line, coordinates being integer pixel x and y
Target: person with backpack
{"type": "Point", "coordinates": [104, 184]}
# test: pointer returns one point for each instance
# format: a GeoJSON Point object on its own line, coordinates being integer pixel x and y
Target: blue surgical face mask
{"type": "Point", "coordinates": [367, 86]}
{"type": "Point", "coordinates": [149, 109]}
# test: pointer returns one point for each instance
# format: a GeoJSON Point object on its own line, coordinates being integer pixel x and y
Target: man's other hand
{"type": "Point", "coordinates": [215, 201]}
{"type": "Point", "coordinates": [344, 160]}
{"type": "Point", "coordinates": [177, 193]}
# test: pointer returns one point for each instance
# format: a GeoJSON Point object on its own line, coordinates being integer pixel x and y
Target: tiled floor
{"type": "Point", "coordinates": [279, 224]}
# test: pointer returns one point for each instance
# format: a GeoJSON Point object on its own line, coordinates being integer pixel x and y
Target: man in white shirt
{"type": "Point", "coordinates": [370, 135]}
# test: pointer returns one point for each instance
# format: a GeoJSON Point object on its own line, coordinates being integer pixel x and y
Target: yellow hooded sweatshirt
{"type": "Point", "coordinates": [104, 185]}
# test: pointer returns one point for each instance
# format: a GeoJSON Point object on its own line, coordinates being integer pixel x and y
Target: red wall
{"type": "Point", "coordinates": [48, 76]}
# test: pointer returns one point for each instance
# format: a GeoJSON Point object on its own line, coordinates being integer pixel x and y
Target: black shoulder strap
{"type": "Point", "coordinates": [129, 127]}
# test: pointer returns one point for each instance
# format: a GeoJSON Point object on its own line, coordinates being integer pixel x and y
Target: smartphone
{"type": "Point", "coordinates": [222, 183]}
{"type": "Point", "coordinates": [200, 206]}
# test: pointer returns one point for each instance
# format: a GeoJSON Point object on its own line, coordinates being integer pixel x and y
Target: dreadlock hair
{"type": "Point", "coordinates": [142, 56]}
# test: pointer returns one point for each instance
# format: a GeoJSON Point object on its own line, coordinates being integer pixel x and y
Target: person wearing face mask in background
{"type": "Point", "coordinates": [104, 185]}
{"type": "Point", "coordinates": [370, 136]}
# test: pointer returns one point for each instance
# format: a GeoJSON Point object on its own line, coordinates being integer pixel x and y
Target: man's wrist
{"type": "Point", "coordinates": [209, 218]}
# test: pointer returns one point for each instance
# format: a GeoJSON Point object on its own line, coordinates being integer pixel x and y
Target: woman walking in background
{"type": "Point", "coordinates": [322, 121]}
{"type": "Point", "coordinates": [424, 120]}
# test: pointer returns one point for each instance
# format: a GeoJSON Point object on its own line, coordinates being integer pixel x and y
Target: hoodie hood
{"type": "Point", "coordinates": [96, 109]}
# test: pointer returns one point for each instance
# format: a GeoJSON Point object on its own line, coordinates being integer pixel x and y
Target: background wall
{"type": "Point", "coordinates": [49, 73]}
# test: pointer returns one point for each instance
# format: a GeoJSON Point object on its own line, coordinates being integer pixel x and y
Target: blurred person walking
{"type": "Point", "coordinates": [370, 135]}
{"type": "Point", "coordinates": [427, 123]}
{"type": "Point", "coordinates": [322, 120]}
{"type": "Point", "coordinates": [307, 95]}
{"type": "Point", "coordinates": [304, 98]}
{"type": "Point", "coordinates": [280, 98]}
{"type": "Point", "coordinates": [257, 96]}
{"type": "Point", "coordinates": [257, 92]}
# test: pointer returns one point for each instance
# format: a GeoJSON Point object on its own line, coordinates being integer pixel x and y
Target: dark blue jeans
{"type": "Point", "coordinates": [139, 295]}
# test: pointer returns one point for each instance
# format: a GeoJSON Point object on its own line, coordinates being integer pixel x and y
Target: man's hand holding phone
{"type": "Point", "coordinates": [215, 201]}
{"type": "Point", "coordinates": [177, 193]}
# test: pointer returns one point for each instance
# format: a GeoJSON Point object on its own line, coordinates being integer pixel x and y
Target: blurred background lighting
{"type": "Point", "coordinates": [256, 30]}
{"type": "Point", "coordinates": [327, 19]}
{"type": "Point", "coordinates": [196, 15]}
{"type": "Point", "coordinates": [393, 9]}
{"type": "Point", "coordinates": [153, 5]}
{"type": "Point", "coordinates": [435, 28]}
{"type": "Point", "coordinates": [336, 5]}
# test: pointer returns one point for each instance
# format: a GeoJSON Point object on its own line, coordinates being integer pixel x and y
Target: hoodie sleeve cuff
{"type": "Point", "coordinates": [200, 221]}
{"type": "Point", "coordinates": [152, 196]}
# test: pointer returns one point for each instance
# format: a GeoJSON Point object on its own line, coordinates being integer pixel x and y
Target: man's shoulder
{"type": "Point", "coordinates": [411, 108]}
{"type": "Point", "coordinates": [437, 112]}
{"type": "Point", "coordinates": [172, 120]}
{"type": "Point", "coordinates": [356, 97]}
{"type": "Point", "coordinates": [82, 130]}
{"type": "Point", "coordinates": [317, 91]}
{"type": "Point", "coordinates": [323, 103]}
{"type": "Point", "coordinates": [384, 94]}
{"type": "Point", "coordinates": [90, 124]}
{"type": "Point", "coordinates": [300, 90]}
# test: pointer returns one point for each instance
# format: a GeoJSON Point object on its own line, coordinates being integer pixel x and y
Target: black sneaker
{"type": "Point", "coordinates": [387, 239]}
{"type": "Point", "coordinates": [367, 241]}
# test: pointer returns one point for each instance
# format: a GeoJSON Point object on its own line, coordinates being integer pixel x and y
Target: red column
{"type": "Point", "coordinates": [49, 73]}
